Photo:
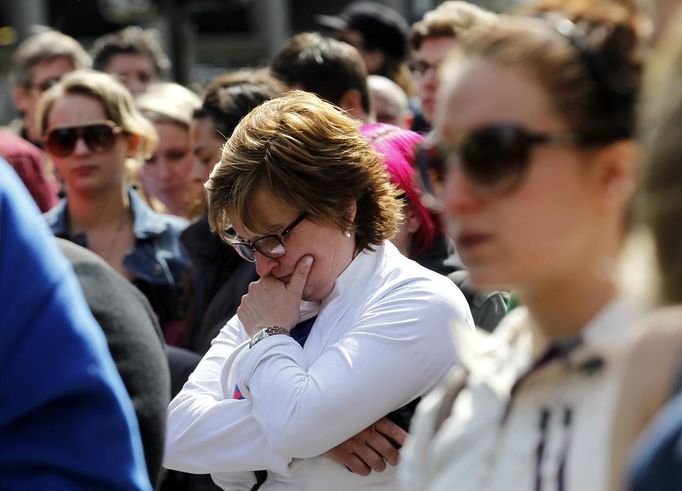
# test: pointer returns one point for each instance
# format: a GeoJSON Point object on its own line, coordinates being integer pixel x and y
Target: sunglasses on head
{"type": "Point", "coordinates": [99, 138]}
{"type": "Point", "coordinates": [271, 245]}
{"type": "Point", "coordinates": [494, 157]}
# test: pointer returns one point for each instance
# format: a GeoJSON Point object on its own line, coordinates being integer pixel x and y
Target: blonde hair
{"type": "Point", "coordinates": [308, 154]}
{"type": "Point", "coordinates": [167, 102]}
{"type": "Point", "coordinates": [116, 100]}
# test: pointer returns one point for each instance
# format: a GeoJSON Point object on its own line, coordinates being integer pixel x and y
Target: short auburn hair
{"type": "Point", "coordinates": [310, 156]}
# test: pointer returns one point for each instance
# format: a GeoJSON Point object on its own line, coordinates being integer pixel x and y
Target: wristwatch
{"type": "Point", "coordinates": [266, 333]}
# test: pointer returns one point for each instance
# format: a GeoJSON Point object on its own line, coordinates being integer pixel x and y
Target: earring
{"type": "Point", "coordinates": [347, 233]}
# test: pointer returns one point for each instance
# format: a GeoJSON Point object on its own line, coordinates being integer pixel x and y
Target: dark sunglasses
{"type": "Point", "coordinates": [495, 157]}
{"type": "Point", "coordinates": [99, 137]}
{"type": "Point", "coordinates": [271, 245]}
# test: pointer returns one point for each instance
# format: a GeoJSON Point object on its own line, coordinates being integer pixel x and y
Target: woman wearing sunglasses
{"type": "Point", "coordinates": [340, 330]}
{"type": "Point", "coordinates": [91, 129]}
{"type": "Point", "coordinates": [535, 123]}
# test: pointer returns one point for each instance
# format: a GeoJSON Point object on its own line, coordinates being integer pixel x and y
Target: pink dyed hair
{"type": "Point", "coordinates": [396, 145]}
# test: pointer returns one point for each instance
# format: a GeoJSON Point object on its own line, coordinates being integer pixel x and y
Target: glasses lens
{"type": "Point", "coordinates": [99, 137]}
{"type": "Point", "coordinates": [61, 141]}
{"type": "Point", "coordinates": [47, 84]}
{"type": "Point", "coordinates": [495, 157]}
{"type": "Point", "coordinates": [244, 250]}
{"type": "Point", "coordinates": [270, 246]}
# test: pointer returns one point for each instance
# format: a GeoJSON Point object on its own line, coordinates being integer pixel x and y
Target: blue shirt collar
{"type": "Point", "coordinates": [145, 220]}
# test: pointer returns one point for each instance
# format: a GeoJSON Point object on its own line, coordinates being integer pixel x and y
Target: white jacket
{"type": "Point", "coordinates": [553, 434]}
{"type": "Point", "coordinates": [381, 339]}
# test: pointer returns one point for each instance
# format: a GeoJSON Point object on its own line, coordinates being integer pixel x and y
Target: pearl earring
{"type": "Point", "coordinates": [347, 233]}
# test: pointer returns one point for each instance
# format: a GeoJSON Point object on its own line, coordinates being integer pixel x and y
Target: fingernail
{"type": "Point", "coordinates": [308, 260]}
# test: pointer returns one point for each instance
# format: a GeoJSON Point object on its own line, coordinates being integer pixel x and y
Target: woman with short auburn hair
{"type": "Point", "coordinates": [336, 309]}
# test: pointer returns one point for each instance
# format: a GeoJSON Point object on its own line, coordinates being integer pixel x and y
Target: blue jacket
{"type": "Point", "coordinates": [157, 260]}
{"type": "Point", "coordinates": [657, 460]}
{"type": "Point", "coordinates": [66, 422]}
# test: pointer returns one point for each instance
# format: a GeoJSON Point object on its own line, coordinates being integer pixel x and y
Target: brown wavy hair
{"type": "Point", "coordinates": [309, 155]}
{"type": "Point", "coordinates": [592, 70]}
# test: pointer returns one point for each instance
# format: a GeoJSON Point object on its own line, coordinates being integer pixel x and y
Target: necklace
{"type": "Point", "coordinates": [114, 238]}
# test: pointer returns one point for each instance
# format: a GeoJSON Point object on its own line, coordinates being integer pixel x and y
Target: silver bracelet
{"type": "Point", "coordinates": [266, 333]}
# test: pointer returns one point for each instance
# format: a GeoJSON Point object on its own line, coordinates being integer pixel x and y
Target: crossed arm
{"type": "Point", "coordinates": [294, 412]}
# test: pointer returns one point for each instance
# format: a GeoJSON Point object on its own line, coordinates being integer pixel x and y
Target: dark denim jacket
{"type": "Point", "coordinates": [156, 261]}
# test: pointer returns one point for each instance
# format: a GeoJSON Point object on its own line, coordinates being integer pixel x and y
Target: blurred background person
{"type": "Point", "coordinates": [66, 421]}
{"type": "Point", "coordinates": [420, 235]}
{"type": "Point", "coordinates": [134, 55]}
{"type": "Point", "coordinates": [165, 175]}
{"type": "Point", "coordinates": [91, 127]}
{"type": "Point", "coordinates": [299, 192]}
{"type": "Point", "coordinates": [433, 37]}
{"type": "Point", "coordinates": [220, 277]}
{"type": "Point", "coordinates": [135, 342]}
{"type": "Point", "coordinates": [540, 165]}
{"type": "Point", "coordinates": [37, 64]}
{"type": "Point", "coordinates": [328, 68]}
{"type": "Point", "coordinates": [379, 33]}
{"type": "Point", "coordinates": [651, 398]}
{"type": "Point", "coordinates": [389, 102]}
{"type": "Point", "coordinates": [27, 161]}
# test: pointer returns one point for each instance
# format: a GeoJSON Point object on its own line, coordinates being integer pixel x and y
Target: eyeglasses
{"type": "Point", "coordinates": [44, 85]}
{"type": "Point", "coordinates": [271, 246]}
{"type": "Point", "coordinates": [420, 67]}
{"type": "Point", "coordinates": [495, 157]}
{"type": "Point", "coordinates": [99, 138]}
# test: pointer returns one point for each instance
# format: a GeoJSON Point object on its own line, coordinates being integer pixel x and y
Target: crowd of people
{"type": "Point", "coordinates": [424, 257]}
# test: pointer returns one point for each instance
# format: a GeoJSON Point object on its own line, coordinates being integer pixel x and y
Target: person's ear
{"type": "Point", "coordinates": [20, 96]}
{"type": "Point", "coordinates": [618, 173]}
{"type": "Point", "coordinates": [352, 211]}
{"type": "Point", "coordinates": [411, 220]}
{"type": "Point", "coordinates": [134, 142]}
{"type": "Point", "coordinates": [408, 120]}
{"type": "Point", "coordinates": [351, 101]}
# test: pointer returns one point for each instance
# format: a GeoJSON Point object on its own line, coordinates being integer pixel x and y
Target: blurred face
{"type": "Point", "coordinates": [44, 75]}
{"type": "Point", "coordinates": [97, 162]}
{"type": "Point", "coordinates": [374, 58]}
{"type": "Point", "coordinates": [208, 146]}
{"type": "Point", "coordinates": [388, 110]}
{"type": "Point", "coordinates": [547, 227]}
{"type": "Point", "coordinates": [430, 54]}
{"type": "Point", "coordinates": [166, 174]}
{"type": "Point", "coordinates": [332, 251]}
{"type": "Point", "coordinates": [135, 71]}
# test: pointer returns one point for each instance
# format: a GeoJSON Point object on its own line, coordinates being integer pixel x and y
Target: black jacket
{"type": "Point", "coordinates": [220, 277]}
{"type": "Point", "coordinates": [487, 308]}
